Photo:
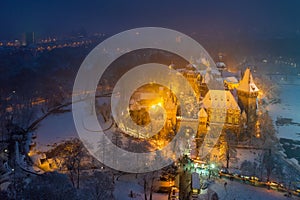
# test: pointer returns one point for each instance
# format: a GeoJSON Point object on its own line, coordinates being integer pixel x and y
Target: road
{"type": "Point", "coordinates": [240, 191]}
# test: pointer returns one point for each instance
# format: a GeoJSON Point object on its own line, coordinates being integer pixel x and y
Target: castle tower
{"type": "Point", "coordinates": [202, 115]}
{"type": "Point", "coordinates": [247, 95]}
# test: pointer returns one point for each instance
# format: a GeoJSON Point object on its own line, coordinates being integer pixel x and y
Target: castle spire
{"type": "Point", "coordinates": [247, 83]}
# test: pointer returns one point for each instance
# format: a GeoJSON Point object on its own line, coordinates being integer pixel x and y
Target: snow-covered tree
{"type": "Point", "coordinates": [249, 168]}
{"type": "Point", "coordinates": [268, 163]}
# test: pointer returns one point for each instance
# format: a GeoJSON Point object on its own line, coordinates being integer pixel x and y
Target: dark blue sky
{"type": "Point", "coordinates": [47, 17]}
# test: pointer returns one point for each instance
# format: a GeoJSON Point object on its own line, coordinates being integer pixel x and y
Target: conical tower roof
{"type": "Point", "coordinates": [247, 84]}
{"type": "Point", "coordinates": [202, 113]}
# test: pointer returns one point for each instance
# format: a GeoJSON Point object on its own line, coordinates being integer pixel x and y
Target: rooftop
{"type": "Point", "coordinates": [247, 84]}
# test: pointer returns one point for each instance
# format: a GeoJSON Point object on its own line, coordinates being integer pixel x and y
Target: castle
{"type": "Point", "coordinates": [232, 105]}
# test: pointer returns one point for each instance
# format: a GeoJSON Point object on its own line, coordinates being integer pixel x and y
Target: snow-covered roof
{"type": "Point", "coordinates": [210, 74]}
{"type": "Point", "coordinates": [220, 65]}
{"type": "Point", "coordinates": [210, 70]}
{"type": "Point", "coordinates": [247, 84]}
{"type": "Point", "coordinates": [190, 68]}
{"type": "Point", "coordinates": [231, 79]}
{"type": "Point", "coordinates": [220, 99]}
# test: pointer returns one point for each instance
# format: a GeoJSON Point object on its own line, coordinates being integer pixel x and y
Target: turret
{"type": "Point", "coordinates": [247, 94]}
{"type": "Point", "coordinates": [202, 115]}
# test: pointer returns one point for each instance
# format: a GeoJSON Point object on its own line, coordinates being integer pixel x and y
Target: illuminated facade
{"type": "Point", "coordinates": [216, 106]}
{"type": "Point", "coordinates": [221, 107]}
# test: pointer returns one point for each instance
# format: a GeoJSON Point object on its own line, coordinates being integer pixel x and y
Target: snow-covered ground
{"type": "Point", "coordinates": [128, 183]}
{"type": "Point", "coordinates": [246, 154]}
{"type": "Point", "coordinates": [240, 191]}
{"type": "Point", "coordinates": [235, 190]}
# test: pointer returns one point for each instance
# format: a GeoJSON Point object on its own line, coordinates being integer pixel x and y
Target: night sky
{"type": "Point", "coordinates": [60, 17]}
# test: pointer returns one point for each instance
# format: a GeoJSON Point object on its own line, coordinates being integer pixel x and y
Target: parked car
{"type": "Point", "coordinates": [224, 171]}
{"type": "Point", "coordinates": [204, 186]}
{"type": "Point", "coordinates": [163, 185]}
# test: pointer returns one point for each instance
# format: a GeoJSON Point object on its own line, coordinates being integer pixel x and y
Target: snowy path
{"type": "Point", "coordinates": [239, 191]}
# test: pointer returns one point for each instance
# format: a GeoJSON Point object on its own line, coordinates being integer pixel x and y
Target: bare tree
{"type": "Point", "coordinates": [71, 153]}
{"type": "Point", "coordinates": [268, 163]}
{"type": "Point", "coordinates": [148, 184]}
{"type": "Point", "coordinates": [99, 187]}
{"type": "Point", "coordinates": [227, 150]}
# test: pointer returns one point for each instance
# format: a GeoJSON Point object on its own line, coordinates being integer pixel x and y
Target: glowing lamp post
{"type": "Point", "coordinates": [210, 168]}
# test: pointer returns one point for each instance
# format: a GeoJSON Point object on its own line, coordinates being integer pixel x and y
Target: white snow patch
{"type": "Point", "coordinates": [246, 154]}
{"type": "Point", "coordinates": [240, 191]}
{"type": "Point", "coordinates": [294, 161]}
{"type": "Point", "coordinates": [129, 183]}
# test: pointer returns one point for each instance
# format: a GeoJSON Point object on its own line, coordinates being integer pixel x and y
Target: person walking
{"type": "Point", "coordinates": [225, 186]}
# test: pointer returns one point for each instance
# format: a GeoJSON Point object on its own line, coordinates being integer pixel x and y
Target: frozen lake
{"type": "Point", "coordinates": [289, 107]}
{"type": "Point", "coordinates": [287, 78]}
{"type": "Point", "coordinates": [55, 129]}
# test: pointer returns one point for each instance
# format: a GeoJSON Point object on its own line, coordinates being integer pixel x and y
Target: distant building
{"type": "Point", "coordinates": [28, 38]}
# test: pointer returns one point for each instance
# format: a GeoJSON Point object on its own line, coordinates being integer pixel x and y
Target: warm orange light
{"type": "Point", "coordinates": [154, 106]}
